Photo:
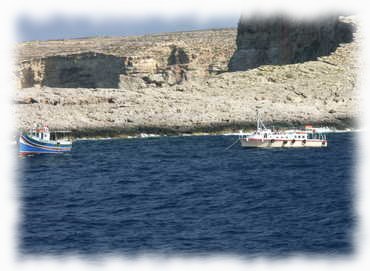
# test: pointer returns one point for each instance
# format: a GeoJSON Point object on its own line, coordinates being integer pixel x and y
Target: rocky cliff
{"type": "Point", "coordinates": [155, 60]}
{"type": "Point", "coordinates": [281, 40]}
{"type": "Point", "coordinates": [179, 82]}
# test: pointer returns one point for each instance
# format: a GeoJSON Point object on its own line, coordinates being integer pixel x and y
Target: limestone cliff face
{"type": "Point", "coordinates": [280, 40]}
{"type": "Point", "coordinates": [155, 60]}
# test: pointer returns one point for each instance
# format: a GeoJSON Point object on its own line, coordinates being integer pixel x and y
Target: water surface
{"type": "Point", "coordinates": [187, 195]}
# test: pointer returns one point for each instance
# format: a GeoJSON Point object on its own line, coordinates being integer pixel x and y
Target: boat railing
{"type": "Point", "coordinates": [61, 135]}
{"type": "Point", "coordinates": [319, 136]}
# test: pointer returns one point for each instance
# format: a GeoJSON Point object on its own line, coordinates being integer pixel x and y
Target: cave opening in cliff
{"type": "Point", "coordinates": [177, 56]}
{"type": "Point", "coordinates": [279, 40]}
{"type": "Point", "coordinates": [85, 70]}
{"type": "Point", "coordinates": [28, 78]}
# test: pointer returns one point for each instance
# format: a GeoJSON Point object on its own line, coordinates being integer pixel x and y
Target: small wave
{"type": "Point", "coordinates": [92, 138]}
{"type": "Point", "coordinates": [348, 130]}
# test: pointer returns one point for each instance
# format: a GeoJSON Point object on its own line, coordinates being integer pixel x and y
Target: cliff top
{"type": "Point", "coordinates": [127, 45]}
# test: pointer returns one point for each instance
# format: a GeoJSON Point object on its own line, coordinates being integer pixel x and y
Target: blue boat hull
{"type": "Point", "coordinates": [28, 145]}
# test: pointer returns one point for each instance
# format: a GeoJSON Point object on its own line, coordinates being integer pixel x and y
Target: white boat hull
{"type": "Point", "coordinates": [248, 143]}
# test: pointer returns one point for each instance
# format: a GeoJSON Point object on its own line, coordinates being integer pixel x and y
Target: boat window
{"type": "Point", "coordinates": [42, 135]}
{"type": "Point", "coordinates": [265, 135]}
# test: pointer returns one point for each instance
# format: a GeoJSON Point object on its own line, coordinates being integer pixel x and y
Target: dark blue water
{"type": "Point", "coordinates": [187, 195]}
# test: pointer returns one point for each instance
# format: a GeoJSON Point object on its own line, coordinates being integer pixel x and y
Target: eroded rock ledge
{"type": "Point", "coordinates": [129, 62]}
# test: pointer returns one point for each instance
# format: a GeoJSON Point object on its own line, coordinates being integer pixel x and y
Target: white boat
{"type": "Point", "coordinates": [265, 138]}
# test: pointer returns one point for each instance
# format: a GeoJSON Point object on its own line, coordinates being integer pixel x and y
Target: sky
{"type": "Point", "coordinates": [61, 27]}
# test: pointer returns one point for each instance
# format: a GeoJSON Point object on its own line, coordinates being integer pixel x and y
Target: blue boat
{"type": "Point", "coordinates": [41, 140]}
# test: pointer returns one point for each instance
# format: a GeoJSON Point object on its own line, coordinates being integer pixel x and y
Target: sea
{"type": "Point", "coordinates": [188, 195]}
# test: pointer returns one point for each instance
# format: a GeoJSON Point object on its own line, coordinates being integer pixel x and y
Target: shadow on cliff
{"type": "Point", "coordinates": [85, 70]}
{"type": "Point", "coordinates": [80, 70]}
{"type": "Point", "coordinates": [280, 40]}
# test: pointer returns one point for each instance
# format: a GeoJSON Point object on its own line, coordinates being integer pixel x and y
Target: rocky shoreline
{"type": "Point", "coordinates": [313, 92]}
{"type": "Point", "coordinates": [212, 129]}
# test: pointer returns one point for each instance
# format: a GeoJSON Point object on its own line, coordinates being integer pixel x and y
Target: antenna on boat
{"type": "Point", "coordinates": [260, 125]}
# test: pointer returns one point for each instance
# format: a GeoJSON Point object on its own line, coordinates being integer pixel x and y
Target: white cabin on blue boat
{"type": "Point", "coordinates": [41, 140]}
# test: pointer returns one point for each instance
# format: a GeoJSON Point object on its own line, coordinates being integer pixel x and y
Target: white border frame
{"type": "Point", "coordinates": [100, 9]}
